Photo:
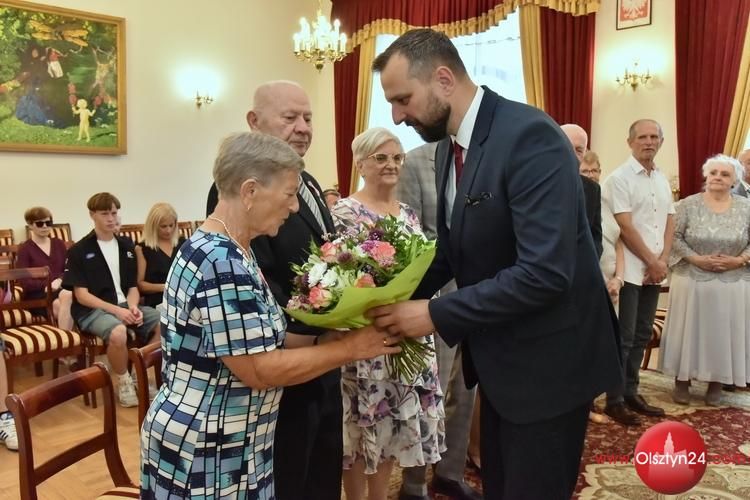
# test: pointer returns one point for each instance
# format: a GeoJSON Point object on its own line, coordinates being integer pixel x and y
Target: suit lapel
{"type": "Point", "coordinates": [442, 166]}
{"type": "Point", "coordinates": [472, 163]}
{"type": "Point", "coordinates": [306, 214]}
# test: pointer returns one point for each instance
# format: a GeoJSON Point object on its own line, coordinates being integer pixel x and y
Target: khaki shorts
{"type": "Point", "coordinates": [101, 323]}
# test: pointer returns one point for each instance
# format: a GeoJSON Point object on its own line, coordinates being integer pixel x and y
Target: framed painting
{"type": "Point", "coordinates": [633, 13]}
{"type": "Point", "coordinates": [62, 80]}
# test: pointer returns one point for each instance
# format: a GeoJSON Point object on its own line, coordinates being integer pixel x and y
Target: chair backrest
{"type": "Point", "coordinates": [8, 254]}
{"type": "Point", "coordinates": [9, 278]}
{"type": "Point", "coordinates": [186, 229]}
{"type": "Point", "coordinates": [60, 231]}
{"type": "Point", "coordinates": [6, 237]}
{"type": "Point", "coordinates": [47, 395]}
{"type": "Point", "coordinates": [144, 358]}
{"type": "Point", "coordinates": [132, 231]}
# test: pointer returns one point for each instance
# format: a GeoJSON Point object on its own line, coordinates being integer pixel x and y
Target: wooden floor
{"type": "Point", "coordinates": [63, 427]}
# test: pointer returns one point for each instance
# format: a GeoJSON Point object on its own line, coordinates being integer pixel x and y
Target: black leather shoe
{"type": "Point", "coordinates": [620, 414]}
{"type": "Point", "coordinates": [458, 490]}
{"type": "Point", "coordinates": [639, 405]}
{"type": "Point", "coordinates": [406, 496]}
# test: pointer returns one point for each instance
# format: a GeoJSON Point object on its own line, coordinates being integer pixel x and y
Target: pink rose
{"type": "Point", "coordinates": [320, 298]}
{"type": "Point", "coordinates": [328, 252]}
{"type": "Point", "coordinates": [365, 281]}
{"type": "Point", "coordinates": [382, 252]}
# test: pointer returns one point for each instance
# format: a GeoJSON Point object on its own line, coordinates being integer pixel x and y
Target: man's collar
{"type": "Point", "coordinates": [636, 166]}
{"type": "Point", "coordinates": [463, 136]}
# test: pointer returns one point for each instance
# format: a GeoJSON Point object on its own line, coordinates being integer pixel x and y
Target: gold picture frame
{"type": "Point", "coordinates": [62, 80]}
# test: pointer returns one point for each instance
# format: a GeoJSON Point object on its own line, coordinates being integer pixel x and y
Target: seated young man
{"type": "Point", "coordinates": [101, 269]}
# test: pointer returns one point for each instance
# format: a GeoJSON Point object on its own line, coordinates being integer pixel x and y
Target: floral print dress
{"type": "Point", "coordinates": [387, 418]}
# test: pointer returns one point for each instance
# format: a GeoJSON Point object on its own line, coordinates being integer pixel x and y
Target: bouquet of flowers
{"type": "Point", "coordinates": [353, 272]}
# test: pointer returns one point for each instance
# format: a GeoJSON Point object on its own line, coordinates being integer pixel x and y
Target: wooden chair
{"type": "Point", "coordinates": [185, 229]}
{"type": "Point", "coordinates": [43, 397]}
{"type": "Point", "coordinates": [7, 248]}
{"type": "Point", "coordinates": [60, 231]}
{"type": "Point", "coordinates": [144, 358]}
{"type": "Point", "coordinates": [655, 342]}
{"type": "Point", "coordinates": [32, 339]}
{"type": "Point", "coordinates": [132, 231]}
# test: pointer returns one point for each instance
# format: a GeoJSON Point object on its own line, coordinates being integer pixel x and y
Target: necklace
{"type": "Point", "coordinates": [242, 249]}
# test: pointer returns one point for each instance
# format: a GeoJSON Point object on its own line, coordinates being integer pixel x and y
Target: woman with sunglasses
{"type": "Point", "coordinates": [41, 250]}
{"type": "Point", "coordinates": [387, 420]}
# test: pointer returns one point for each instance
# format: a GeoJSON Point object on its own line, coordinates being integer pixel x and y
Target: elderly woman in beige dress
{"type": "Point", "coordinates": [707, 332]}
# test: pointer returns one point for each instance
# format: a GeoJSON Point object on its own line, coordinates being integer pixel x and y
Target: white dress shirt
{"type": "Point", "coordinates": [648, 198]}
{"type": "Point", "coordinates": [463, 138]}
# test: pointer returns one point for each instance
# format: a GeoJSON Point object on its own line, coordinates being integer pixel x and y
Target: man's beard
{"type": "Point", "coordinates": [435, 126]}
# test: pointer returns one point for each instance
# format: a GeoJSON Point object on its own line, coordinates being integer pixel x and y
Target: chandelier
{"type": "Point", "coordinates": [321, 44]}
{"type": "Point", "coordinates": [633, 77]}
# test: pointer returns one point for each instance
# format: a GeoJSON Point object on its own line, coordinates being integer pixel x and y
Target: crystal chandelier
{"type": "Point", "coordinates": [321, 44]}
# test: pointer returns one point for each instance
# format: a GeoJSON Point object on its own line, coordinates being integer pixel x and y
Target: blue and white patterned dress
{"type": "Point", "coordinates": [207, 435]}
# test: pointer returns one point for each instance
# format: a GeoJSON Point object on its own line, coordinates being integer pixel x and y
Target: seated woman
{"type": "Point", "coordinates": [707, 331]}
{"type": "Point", "coordinates": [155, 253]}
{"type": "Point", "coordinates": [223, 339]}
{"type": "Point", "coordinates": [386, 419]}
{"type": "Point", "coordinates": [38, 251]}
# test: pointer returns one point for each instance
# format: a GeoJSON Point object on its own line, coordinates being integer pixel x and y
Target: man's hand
{"type": "Point", "coordinates": [656, 272]}
{"type": "Point", "coordinates": [126, 316]}
{"type": "Point", "coordinates": [409, 319]}
{"type": "Point", "coordinates": [137, 315]}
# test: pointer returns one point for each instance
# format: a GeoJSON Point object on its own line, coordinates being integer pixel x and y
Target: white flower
{"type": "Point", "coordinates": [329, 279]}
{"type": "Point", "coordinates": [316, 273]}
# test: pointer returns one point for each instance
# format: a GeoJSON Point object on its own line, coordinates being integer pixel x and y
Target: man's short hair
{"type": "Point", "coordinates": [332, 191]}
{"type": "Point", "coordinates": [631, 130]}
{"type": "Point", "coordinates": [425, 49]}
{"type": "Point", "coordinates": [36, 213]}
{"type": "Point", "coordinates": [103, 201]}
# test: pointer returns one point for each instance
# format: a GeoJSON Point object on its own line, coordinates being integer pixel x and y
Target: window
{"type": "Point", "coordinates": [492, 58]}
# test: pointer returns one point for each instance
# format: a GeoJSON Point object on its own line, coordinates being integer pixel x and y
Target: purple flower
{"type": "Point", "coordinates": [345, 257]}
{"type": "Point", "coordinates": [376, 234]}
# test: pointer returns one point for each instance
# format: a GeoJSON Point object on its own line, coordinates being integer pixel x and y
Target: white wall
{"type": "Point", "coordinates": [171, 144]}
{"type": "Point", "coordinates": [615, 108]}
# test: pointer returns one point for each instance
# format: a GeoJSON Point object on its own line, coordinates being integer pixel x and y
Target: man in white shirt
{"type": "Point", "coordinates": [743, 185]}
{"type": "Point", "coordinates": [642, 204]}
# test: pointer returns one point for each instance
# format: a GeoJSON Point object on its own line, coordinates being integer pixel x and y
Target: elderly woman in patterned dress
{"type": "Point", "coordinates": [707, 332]}
{"type": "Point", "coordinates": [209, 431]}
{"type": "Point", "coordinates": [386, 420]}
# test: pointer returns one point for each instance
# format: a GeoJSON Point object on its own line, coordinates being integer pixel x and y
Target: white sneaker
{"type": "Point", "coordinates": [126, 391]}
{"type": "Point", "coordinates": [8, 431]}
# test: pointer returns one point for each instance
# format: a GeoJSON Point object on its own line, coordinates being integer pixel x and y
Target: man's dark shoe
{"type": "Point", "coordinates": [458, 490]}
{"type": "Point", "coordinates": [620, 414]}
{"type": "Point", "coordinates": [639, 405]}
{"type": "Point", "coordinates": [406, 496]}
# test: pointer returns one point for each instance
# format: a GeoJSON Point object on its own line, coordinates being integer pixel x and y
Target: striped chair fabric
{"type": "Point", "coordinates": [186, 229]}
{"type": "Point", "coordinates": [34, 339]}
{"type": "Point", "coordinates": [132, 231]}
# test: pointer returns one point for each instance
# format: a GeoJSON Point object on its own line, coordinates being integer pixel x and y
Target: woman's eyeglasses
{"type": "Point", "coordinates": [381, 159]}
{"type": "Point", "coordinates": [42, 223]}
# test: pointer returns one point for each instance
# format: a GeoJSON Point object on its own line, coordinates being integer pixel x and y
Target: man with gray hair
{"type": "Point", "coordinates": [643, 208]}
{"type": "Point", "coordinates": [308, 444]}
{"type": "Point", "coordinates": [742, 187]}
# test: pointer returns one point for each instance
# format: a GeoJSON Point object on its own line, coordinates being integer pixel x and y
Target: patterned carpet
{"type": "Point", "coordinates": [725, 430]}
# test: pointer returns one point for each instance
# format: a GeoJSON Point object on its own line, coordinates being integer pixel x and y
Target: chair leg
{"type": "Point", "coordinates": [55, 368]}
{"type": "Point", "coordinates": [646, 358]}
{"type": "Point", "coordinates": [8, 374]}
{"type": "Point", "coordinates": [38, 369]}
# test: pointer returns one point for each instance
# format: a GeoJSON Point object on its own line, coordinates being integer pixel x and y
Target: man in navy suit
{"type": "Point", "coordinates": [531, 311]}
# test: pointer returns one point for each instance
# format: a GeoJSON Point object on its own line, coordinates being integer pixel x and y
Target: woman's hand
{"type": "Point", "coordinates": [56, 284]}
{"type": "Point", "coordinates": [613, 288]}
{"type": "Point", "coordinates": [724, 263]}
{"type": "Point", "coordinates": [704, 262]}
{"type": "Point", "coordinates": [368, 342]}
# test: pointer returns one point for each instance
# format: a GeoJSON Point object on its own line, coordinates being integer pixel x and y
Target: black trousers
{"type": "Point", "coordinates": [536, 461]}
{"type": "Point", "coordinates": [308, 443]}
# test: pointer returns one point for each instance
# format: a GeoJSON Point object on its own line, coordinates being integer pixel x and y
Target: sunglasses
{"type": "Point", "coordinates": [42, 223]}
{"type": "Point", "coordinates": [382, 159]}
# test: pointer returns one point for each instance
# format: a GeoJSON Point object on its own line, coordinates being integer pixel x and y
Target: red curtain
{"type": "Point", "coordinates": [568, 66]}
{"type": "Point", "coordinates": [345, 77]}
{"type": "Point", "coordinates": [709, 37]}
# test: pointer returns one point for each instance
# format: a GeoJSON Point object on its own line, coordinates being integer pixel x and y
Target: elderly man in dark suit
{"type": "Point", "coordinates": [531, 311]}
{"type": "Point", "coordinates": [308, 444]}
{"type": "Point", "coordinates": [416, 188]}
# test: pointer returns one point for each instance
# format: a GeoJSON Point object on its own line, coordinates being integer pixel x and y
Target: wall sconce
{"type": "Point", "coordinates": [200, 100]}
{"type": "Point", "coordinates": [633, 77]}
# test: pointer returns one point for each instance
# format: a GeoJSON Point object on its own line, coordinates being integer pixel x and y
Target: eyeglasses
{"type": "Point", "coordinates": [42, 223]}
{"type": "Point", "coordinates": [382, 159]}
{"type": "Point", "coordinates": [591, 171]}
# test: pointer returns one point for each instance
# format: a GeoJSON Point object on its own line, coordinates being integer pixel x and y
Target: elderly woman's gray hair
{"type": "Point", "coordinates": [371, 139]}
{"type": "Point", "coordinates": [246, 155]}
{"type": "Point", "coordinates": [724, 160]}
